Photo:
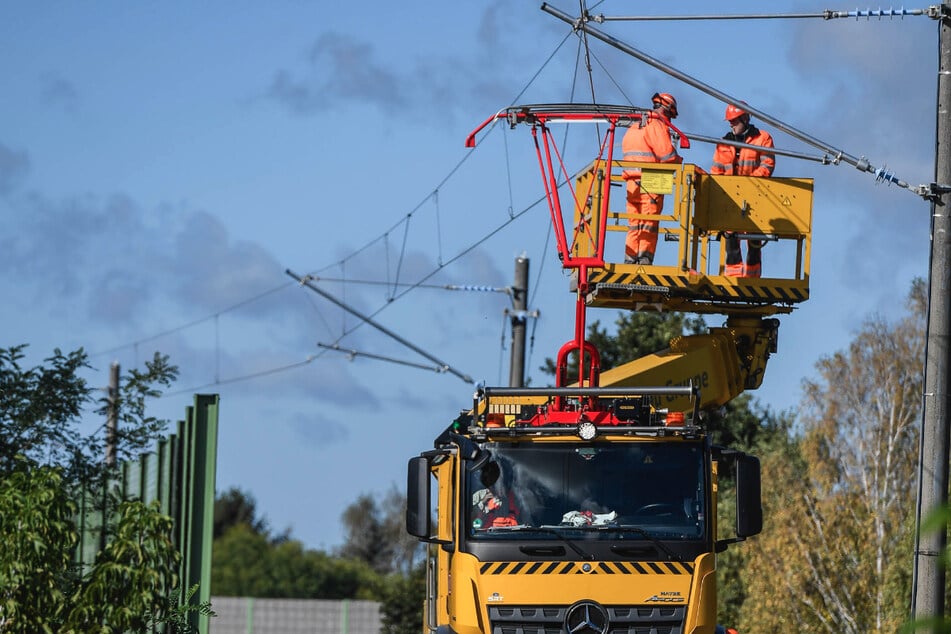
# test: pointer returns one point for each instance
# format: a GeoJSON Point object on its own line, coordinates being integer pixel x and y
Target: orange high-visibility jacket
{"type": "Point", "coordinates": [749, 162]}
{"type": "Point", "coordinates": [649, 143]}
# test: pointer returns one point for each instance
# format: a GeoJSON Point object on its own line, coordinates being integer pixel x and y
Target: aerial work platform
{"type": "Point", "coordinates": [699, 208]}
{"type": "Point", "coordinates": [590, 219]}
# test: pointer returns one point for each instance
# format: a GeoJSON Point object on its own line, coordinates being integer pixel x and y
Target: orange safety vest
{"type": "Point", "coordinates": [650, 143]}
{"type": "Point", "coordinates": [746, 162]}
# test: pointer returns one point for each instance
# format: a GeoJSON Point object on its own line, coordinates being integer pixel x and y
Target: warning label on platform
{"type": "Point", "coordinates": [657, 181]}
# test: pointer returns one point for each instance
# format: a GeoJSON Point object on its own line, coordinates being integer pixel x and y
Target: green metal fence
{"type": "Point", "coordinates": [180, 474]}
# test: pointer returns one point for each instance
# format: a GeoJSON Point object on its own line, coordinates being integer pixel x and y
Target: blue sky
{"type": "Point", "coordinates": [162, 165]}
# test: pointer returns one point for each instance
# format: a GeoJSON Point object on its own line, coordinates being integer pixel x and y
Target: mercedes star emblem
{"type": "Point", "coordinates": [586, 617]}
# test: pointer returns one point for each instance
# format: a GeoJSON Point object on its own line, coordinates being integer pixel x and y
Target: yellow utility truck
{"type": "Point", "coordinates": [590, 507]}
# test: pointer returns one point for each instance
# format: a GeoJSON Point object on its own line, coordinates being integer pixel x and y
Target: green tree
{"type": "Point", "coordinates": [403, 586]}
{"type": "Point", "coordinates": [375, 533]}
{"type": "Point", "coordinates": [742, 424]}
{"type": "Point", "coordinates": [636, 334]}
{"type": "Point", "coordinates": [45, 460]}
{"type": "Point", "coordinates": [366, 535]}
{"type": "Point", "coordinates": [402, 602]}
{"type": "Point", "coordinates": [131, 578]}
{"type": "Point", "coordinates": [38, 537]}
{"type": "Point", "coordinates": [247, 563]}
{"type": "Point", "coordinates": [235, 506]}
{"type": "Point", "coordinates": [837, 530]}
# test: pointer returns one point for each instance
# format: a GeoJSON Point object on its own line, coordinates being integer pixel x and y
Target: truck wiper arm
{"type": "Point", "coordinates": [643, 533]}
{"type": "Point", "coordinates": [522, 528]}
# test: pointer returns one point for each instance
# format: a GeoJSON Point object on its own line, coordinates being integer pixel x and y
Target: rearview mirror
{"type": "Point", "coordinates": [749, 506]}
{"type": "Point", "coordinates": [418, 492]}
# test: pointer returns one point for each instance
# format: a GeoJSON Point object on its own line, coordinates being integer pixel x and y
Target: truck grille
{"type": "Point", "coordinates": [645, 619]}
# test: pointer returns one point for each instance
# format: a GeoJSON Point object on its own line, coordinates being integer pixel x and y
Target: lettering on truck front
{"type": "Point", "coordinates": [666, 597]}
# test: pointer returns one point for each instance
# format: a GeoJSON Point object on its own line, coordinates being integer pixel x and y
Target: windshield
{"type": "Point", "coordinates": [648, 490]}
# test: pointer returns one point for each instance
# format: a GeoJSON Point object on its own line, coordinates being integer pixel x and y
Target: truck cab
{"type": "Point", "coordinates": [548, 521]}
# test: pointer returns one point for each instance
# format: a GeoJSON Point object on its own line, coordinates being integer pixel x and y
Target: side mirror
{"type": "Point", "coordinates": [749, 505]}
{"type": "Point", "coordinates": [418, 493]}
{"type": "Point", "coordinates": [474, 457]}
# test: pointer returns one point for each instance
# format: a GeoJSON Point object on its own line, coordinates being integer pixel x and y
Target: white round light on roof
{"type": "Point", "coordinates": [587, 430]}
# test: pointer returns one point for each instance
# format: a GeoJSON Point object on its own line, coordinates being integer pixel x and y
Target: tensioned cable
{"type": "Point", "coordinates": [587, 54]}
{"type": "Point", "coordinates": [438, 230]}
{"type": "Point", "coordinates": [462, 253]}
{"type": "Point", "coordinates": [379, 357]}
{"type": "Point", "coordinates": [608, 74]}
{"type": "Point", "coordinates": [465, 251]}
{"type": "Point", "coordinates": [193, 323]}
{"type": "Point", "coordinates": [459, 163]}
{"type": "Point", "coordinates": [825, 15]}
{"type": "Point", "coordinates": [347, 332]}
{"type": "Point", "coordinates": [502, 346]}
{"type": "Point", "coordinates": [862, 164]}
{"type": "Point", "coordinates": [444, 287]}
{"type": "Point", "coordinates": [244, 377]}
{"type": "Point", "coordinates": [512, 217]}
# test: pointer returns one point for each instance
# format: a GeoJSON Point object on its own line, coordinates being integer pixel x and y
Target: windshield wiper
{"type": "Point", "coordinates": [523, 528]}
{"type": "Point", "coordinates": [640, 531]}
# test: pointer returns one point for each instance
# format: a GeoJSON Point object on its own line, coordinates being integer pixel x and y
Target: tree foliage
{"type": "Point", "coordinates": [132, 577]}
{"type": "Point", "coordinates": [38, 537]}
{"type": "Point", "coordinates": [377, 560]}
{"type": "Point", "coordinates": [247, 563]}
{"type": "Point", "coordinates": [838, 533]}
{"type": "Point", "coordinates": [45, 460]}
{"type": "Point", "coordinates": [402, 602]}
{"type": "Point", "coordinates": [375, 534]}
{"type": "Point", "coordinates": [635, 335]}
{"type": "Point", "coordinates": [233, 507]}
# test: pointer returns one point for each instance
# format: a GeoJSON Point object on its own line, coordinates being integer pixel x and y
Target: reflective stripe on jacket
{"type": "Point", "coordinates": [649, 143]}
{"type": "Point", "coordinates": [750, 162]}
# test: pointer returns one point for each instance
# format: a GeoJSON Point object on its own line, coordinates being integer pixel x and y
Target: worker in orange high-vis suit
{"type": "Point", "coordinates": [648, 141]}
{"type": "Point", "coordinates": [731, 160]}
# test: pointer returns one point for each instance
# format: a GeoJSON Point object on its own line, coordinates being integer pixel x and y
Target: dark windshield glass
{"type": "Point", "coordinates": [654, 489]}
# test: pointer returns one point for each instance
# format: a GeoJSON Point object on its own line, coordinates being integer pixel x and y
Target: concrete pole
{"type": "Point", "coordinates": [519, 320]}
{"type": "Point", "coordinates": [112, 416]}
{"type": "Point", "coordinates": [929, 577]}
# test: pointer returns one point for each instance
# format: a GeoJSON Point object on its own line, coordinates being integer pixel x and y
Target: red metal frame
{"type": "Point", "coordinates": [539, 117]}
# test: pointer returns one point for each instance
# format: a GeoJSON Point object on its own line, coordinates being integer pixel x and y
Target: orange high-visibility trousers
{"type": "Point", "coordinates": [734, 258]}
{"type": "Point", "coordinates": [641, 241]}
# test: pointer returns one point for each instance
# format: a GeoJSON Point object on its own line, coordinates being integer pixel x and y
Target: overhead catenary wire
{"type": "Point", "coordinates": [825, 159]}
{"type": "Point", "coordinates": [383, 236]}
{"type": "Point", "coordinates": [370, 355]}
{"type": "Point", "coordinates": [825, 15]}
{"type": "Point", "coordinates": [291, 366]}
{"type": "Point", "coordinates": [194, 322]}
{"type": "Point", "coordinates": [451, 172]}
{"type": "Point", "coordinates": [861, 163]}
{"type": "Point", "coordinates": [305, 281]}
{"type": "Point", "coordinates": [444, 287]}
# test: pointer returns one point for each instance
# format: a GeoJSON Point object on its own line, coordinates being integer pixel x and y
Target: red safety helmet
{"type": "Point", "coordinates": [732, 112]}
{"type": "Point", "coordinates": [667, 101]}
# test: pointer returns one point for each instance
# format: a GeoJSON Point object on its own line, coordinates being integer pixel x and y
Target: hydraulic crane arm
{"type": "Point", "coordinates": [722, 363]}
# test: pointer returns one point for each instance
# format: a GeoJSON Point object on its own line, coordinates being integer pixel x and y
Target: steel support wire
{"type": "Point", "coordinates": [862, 164]}
{"type": "Point", "coordinates": [825, 159]}
{"type": "Point", "coordinates": [350, 352]}
{"type": "Point", "coordinates": [305, 281]}
{"type": "Point", "coordinates": [825, 15]}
